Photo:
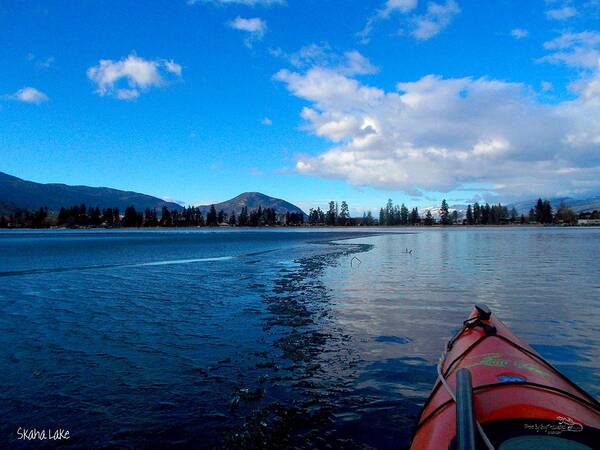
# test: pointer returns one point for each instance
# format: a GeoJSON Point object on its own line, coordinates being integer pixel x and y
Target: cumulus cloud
{"type": "Point", "coordinates": [266, 121]}
{"type": "Point", "coordinates": [564, 13]}
{"type": "Point", "coordinates": [255, 27]}
{"type": "Point", "coordinates": [519, 33]}
{"type": "Point", "coordinates": [28, 95]}
{"type": "Point", "coordinates": [423, 26]}
{"type": "Point", "coordinates": [127, 78]}
{"type": "Point", "coordinates": [441, 134]}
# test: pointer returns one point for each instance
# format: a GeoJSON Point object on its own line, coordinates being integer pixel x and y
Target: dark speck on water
{"type": "Point", "coordinates": [269, 338]}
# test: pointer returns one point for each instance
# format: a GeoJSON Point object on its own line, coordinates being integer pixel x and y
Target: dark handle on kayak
{"type": "Point", "coordinates": [465, 418]}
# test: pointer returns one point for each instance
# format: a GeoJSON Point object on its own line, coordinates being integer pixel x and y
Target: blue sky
{"type": "Point", "coordinates": [303, 99]}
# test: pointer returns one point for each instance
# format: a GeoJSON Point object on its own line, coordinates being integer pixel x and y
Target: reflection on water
{"type": "Point", "coordinates": [249, 339]}
{"type": "Point", "coordinates": [401, 308]}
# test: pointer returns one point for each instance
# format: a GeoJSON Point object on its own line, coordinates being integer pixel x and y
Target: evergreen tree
{"type": "Point", "coordinates": [476, 214]}
{"type": "Point", "coordinates": [403, 215]}
{"type": "Point", "coordinates": [444, 213]}
{"type": "Point", "coordinates": [454, 217]}
{"type": "Point", "coordinates": [316, 217]}
{"type": "Point", "coordinates": [166, 219]}
{"type": "Point", "coordinates": [396, 220]}
{"type": "Point", "coordinates": [367, 219]}
{"type": "Point", "coordinates": [428, 218]}
{"type": "Point", "coordinates": [547, 212]}
{"type": "Point", "coordinates": [243, 219]}
{"type": "Point", "coordinates": [331, 218]}
{"type": "Point", "coordinates": [470, 220]}
{"type": "Point", "coordinates": [260, 219]}
{"type": "Point", "coordinates": [211, 217]}
{"type": "Point", "coordinates": [232, 219]}
{"type": "Point", "coordinates": [344, 217]}
{"type": "Point", "coordinates": [139, 219]}
{"type": "Point", "coordinates": [221, 217]}
{"type": "Point", "coordinates": [39, 218]}
{"type": "Point", "coordinates": [62, 216]}
{"type": "Point", "coordinates": [150, 218]}
{"type": "Point", "coordinates": [108, 217]}
{"type": "Point", "coordinates": [415, 219]}
{"type": "Point", "coordinates": [539, 211]}
{"type": "Point", "coordinates": [130, 219]}
{"type": "Point", "coordinates": [485, 214]}
{"type": "Point", "coordinates": [389, 212]}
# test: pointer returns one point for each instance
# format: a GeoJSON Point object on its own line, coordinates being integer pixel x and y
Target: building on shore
{"type": "Point", "coordinates": [588, 222]}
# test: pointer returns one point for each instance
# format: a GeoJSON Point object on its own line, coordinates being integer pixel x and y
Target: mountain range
{"type": "Point", "coordinates": [16, 193]}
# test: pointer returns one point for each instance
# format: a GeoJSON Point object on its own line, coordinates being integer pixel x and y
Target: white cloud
{"type": "Point", "coordinates": [255, 27]}
{"type": "Point", "coordinates": [390, 6]}
{"type": "Point", "coordinates": [564, 13]}
{"type": "Point", "coordinates": [426, 25]}
{"type": "Point", "coordinates": [519, 33]}
{"type": "Point", "coordinates": [127, 78]}
{"type": "Point", "coordinates": [440, 134]}
{"type": "Point", "coordinates": [28, 95]}
{"type": "Point", "coordinates": [402, 6]}
{"type": "Point", "coordinates": [437, 17]}
{"type": "Point", "coordinates": [42, 63]}
{"type": "Point", "coordinates": [580, 50]}
{"type": "Point", "coordinates": [240, 2]}
{"type": "Point", "coordinates": [322, 55]}
{"type": "Point", "coordinates": [173, 67]}
{"type": "Point", "coordinates": [266, 121]}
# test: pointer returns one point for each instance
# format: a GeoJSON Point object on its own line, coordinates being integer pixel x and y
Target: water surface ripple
{"type": "Point", "coordinates": [280, 339]}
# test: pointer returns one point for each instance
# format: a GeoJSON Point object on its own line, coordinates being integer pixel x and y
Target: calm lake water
{"type": "Point", "coordinates": [247, 339]}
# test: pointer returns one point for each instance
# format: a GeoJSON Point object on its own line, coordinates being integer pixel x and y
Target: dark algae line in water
{"type": "Point", "coordinates": [307, 350]}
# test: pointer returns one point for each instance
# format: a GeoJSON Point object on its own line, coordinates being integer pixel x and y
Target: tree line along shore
{"type": "Point", "coordinates": [82, 216]}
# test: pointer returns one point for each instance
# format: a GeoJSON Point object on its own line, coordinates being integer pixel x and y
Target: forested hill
{"type": "Point", "coordinates": [18, 193]}
{"type": "Point", "coordinates": [252, 200]}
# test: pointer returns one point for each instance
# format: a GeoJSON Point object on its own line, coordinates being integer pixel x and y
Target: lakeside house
{"type": "Point", "coordinates": [588, 222]}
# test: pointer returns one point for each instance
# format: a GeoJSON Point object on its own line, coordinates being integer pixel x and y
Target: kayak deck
{"type": "Point", "coordinates": [519, 399]}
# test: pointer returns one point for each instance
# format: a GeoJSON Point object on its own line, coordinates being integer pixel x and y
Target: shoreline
{"type": "Point", "coordinates": [303, 227]}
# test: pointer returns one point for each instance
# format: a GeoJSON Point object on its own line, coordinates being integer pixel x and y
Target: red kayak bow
{"type": "Point", "coordinates": [495, 392]}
